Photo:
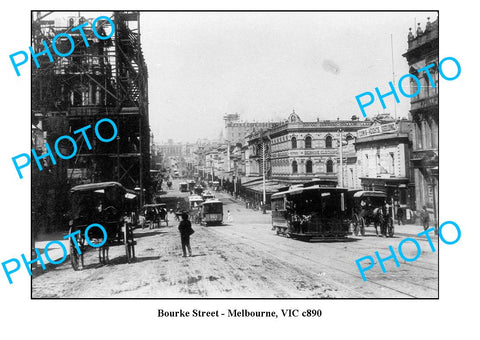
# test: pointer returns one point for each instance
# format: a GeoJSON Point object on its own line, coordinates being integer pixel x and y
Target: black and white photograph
{"type": "Point", "coordinates": [239, 170]}
{"type": "Point", "coordinates": [234, 154]}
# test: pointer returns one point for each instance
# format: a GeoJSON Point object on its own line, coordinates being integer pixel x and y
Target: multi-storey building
{"type": "Point", "coordinates": [423, 51]}
{"type": "Point", "coordinates": [383, 160]}
{"type": "Point", "coordinates": [99, 79]}
{"type": "Point", "coordinates": [301, 150]}
{"type": "Point", "coordinates": [236, 130]}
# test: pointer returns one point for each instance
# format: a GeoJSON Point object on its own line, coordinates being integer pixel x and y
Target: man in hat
{"type": "Point", "coordinates": [185, 228]}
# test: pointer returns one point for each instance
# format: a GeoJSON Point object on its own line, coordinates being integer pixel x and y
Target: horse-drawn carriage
{"type": "Point", "coordinates": [155, 214]}
{"type": "Point", "coordinates": [104, 204]}
{"type": "Point", "coordinates": [371, 207]}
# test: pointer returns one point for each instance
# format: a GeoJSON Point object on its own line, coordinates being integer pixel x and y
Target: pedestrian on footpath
{"type": "Point", "coordinates": [400, 214]}
{"type": "Point", "coordinates": [425, 218]}
{"type": "Point", "coordinates": [185, 228]}
{"type": "Point", "coordinates": [229, 217]}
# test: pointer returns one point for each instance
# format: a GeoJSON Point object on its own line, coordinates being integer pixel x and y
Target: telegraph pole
{"type": "Point", "coordinates": [341, 159]}
{"type": "Point", "coordinates": [263, 176]}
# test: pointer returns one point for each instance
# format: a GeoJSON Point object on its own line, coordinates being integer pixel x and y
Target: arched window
{"type": "Point", "coordinates": [294, 143]}
{"type": "Point", "coordinates": [309, 167]}
{"type": "Point", "coordinates": [294, 167]}
{"type": "Point", "coordinates": [329, 166]}
{"type": "Point", "coordinates": [349, 138]}
{"type": "Point", "coordinates": [328, 141]}
{"type": "Point", "coordinates": [308, 142]}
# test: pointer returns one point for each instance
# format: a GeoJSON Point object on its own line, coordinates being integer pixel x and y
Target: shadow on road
{"type": "Point", "coordinates": [346, 240]}
{"type": "Point", "coordinates": [123, 260]}
{"type": "Point", "coordinates": [150, 233]}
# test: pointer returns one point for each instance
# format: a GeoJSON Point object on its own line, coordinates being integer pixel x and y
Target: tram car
{"type": "Point", "coordinates": [211, 212]}
{"type": "Point", "coordinates": [184, 187]}
{"type": "Point", "coordinates": [310, 211]}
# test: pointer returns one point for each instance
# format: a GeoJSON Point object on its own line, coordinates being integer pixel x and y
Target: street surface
{"type": "Point", "coordinates": [245, 259]}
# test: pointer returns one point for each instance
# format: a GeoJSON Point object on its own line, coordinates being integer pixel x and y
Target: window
{"type": "Point", "coordinates": [294, 167]}
{"type": "Point", "coordinates": [428, 135]}
{"type": "Point", "coordinates": [294, 143]}
{"type": "Point", "coordinates": [328, 142]}
{"type": "Point", "coordinates": [419, 135]}
{"type": "Point", "coordinates": [308, 142]}
{"type": "Point", "coordinates": [309, 167]}
{"type": "Point", "coordinates": [329, 165]}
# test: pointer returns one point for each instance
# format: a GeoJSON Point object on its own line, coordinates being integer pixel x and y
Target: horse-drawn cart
{"type": "Point", "coordinates": [104, 204]}
{"type": "Point", "coordinates": [371, 207]}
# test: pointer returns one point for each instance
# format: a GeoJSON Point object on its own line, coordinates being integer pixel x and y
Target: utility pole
{"type": "Point", "coordinates": [393, 72]}
{"type": "Point", "coordinates": [341, 158]}
{"type": "Point", "coordinates": [228, 156]}
{"type": "Point", "coordinates": [234, 177]}
{"type": "Point", "coordinates": [263, 176]}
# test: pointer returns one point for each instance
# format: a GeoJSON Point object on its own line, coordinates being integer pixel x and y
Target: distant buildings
{"type": "Point", "coordinates": [422, 51]}
{"type": "Point", "coordinates": [235, 130]}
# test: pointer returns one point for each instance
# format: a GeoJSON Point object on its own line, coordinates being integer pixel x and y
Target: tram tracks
{"type": "Point", "coordinates": [291, 251]}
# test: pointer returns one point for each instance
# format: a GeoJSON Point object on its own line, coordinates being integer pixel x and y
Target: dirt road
{"type": "Point", "coordinates": [243, 259]}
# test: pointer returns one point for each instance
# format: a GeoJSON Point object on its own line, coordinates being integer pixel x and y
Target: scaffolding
{"type": "Point", "coordinates": [107, 79]}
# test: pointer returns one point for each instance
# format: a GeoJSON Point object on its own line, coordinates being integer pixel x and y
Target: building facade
{"type": "Point", "coordinates": [236, 130]}
{"type": "Point", "coordinates": [383, 160]}
{"type": "Point", "coordinates": [423, 51]}
{"type": "Point", "coordinates": [301, 151]}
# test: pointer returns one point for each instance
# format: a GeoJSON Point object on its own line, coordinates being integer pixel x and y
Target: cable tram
{"type": "Point", "coordinates": [310, 211]}
{"type": "Point", "coordinates": [211, 212]}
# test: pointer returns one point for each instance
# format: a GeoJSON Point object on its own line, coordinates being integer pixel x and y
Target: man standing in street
{"type": "Point", "coordinates": [185, 228]}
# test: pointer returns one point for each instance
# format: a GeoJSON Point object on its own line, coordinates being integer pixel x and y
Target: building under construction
{"type": "Point", "coordinates": [106, 79]}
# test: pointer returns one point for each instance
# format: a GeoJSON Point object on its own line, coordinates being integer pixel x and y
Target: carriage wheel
{"type": "Point", "coordinates": [391, 228]}
{"type": "Point", "coordinates": [362, 226]}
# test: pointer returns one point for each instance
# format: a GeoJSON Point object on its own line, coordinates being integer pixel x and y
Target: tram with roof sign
{"type": "Point", "coordinates": [211, 212]}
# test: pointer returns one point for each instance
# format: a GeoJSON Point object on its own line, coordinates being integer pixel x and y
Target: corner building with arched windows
{"type": "Point", "coordinates": [301, 151]}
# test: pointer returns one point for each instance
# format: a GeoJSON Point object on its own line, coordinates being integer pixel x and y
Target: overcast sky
{"type": "Point", "coordinates": [264, 65]}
